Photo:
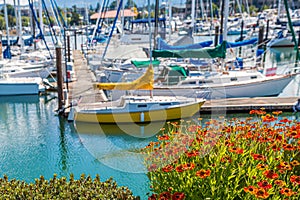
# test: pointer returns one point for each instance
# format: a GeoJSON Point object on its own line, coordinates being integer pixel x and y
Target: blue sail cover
{"type": "Point", "coordinates": [163, 45]}
{"type": "Point", "coordinates": [7, 53]}
{"type": "Point", "coordinates": [241, 43]}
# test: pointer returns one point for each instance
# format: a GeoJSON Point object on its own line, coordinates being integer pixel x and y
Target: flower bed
{"type": "Point", "coordinates": [255, 158]}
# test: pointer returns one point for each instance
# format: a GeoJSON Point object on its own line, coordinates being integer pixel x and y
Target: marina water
{"type": "Point", "coordinates": [35, 142]}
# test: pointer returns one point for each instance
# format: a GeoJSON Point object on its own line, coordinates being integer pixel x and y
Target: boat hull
{"type": "Point", "coordinates": [280, 43]}
{"type": "Point", "coordinates": [20, 87]}
{"type": "Point", "coordinates": [178, 112]}
{"type": "Point", "coordinates": [271, 86]}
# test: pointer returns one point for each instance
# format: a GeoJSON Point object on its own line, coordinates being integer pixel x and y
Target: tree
{"type": "Point", "coordinates": [130, 4]}
{"type": "Point", "coordinates": [113, 5]}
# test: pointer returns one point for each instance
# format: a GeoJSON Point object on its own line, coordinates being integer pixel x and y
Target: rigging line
{"type": "Point", "coordinates": [50, 23]}
{"type": "Point", "coordinates": [39, 27]}
{"type": "Point", "coordinates": [104, 10]}
{"type": "Point", "coordinates": [97, 22]}
{"type": "Point", "coordinates": [112, 29]}
{"type": "Point", "coordinates": [55, 15]}
{"type": "Point", "coordinates": [61, 17]}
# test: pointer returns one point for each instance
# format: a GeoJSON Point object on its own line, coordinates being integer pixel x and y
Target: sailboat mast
{"type": "Point", "coordinates": [193, 14]}
{"type": "Point", "coordinates": [20, 27]}
{"type": "Point", "coordinates": [6, 23]}
{"type": "Point", "coordinates": [41, 15]}
{"type": "Point", "coordinates": [226, 13]}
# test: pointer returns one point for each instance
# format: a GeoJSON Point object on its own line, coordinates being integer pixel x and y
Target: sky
{"type": "Point", "coordinates": [83, 3]}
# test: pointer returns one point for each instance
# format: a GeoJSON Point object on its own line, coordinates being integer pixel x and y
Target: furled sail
{"type": "Point", "coordinates": [163, 45]}
{"type": "Point", "coordinates": [208, 52]}
{"type": "Point", "coordinates": [145, 82]}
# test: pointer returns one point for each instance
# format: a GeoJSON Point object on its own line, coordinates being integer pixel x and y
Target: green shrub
{"type": "Point", "coordinates": [61, 188]}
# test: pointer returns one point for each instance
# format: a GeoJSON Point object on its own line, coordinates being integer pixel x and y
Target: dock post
{"type": "Point", "coordinates": [267, 31]}
{"type": "Point", "coordinates": [75, 39]}
{"type": "Point", "coordinates": [216, 35]}
{"type": "Point", "coordinates": [261, 36]}
{"type": "Point", "coordinates": [58, 48]}
{"type": "Point", "coordinates": [1, 45]}
{"type": "Point", "coordinates": [68, 46]}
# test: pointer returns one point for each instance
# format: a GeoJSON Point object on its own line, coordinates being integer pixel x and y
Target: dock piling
{"type": "Point", "coordinates": [58, 48]}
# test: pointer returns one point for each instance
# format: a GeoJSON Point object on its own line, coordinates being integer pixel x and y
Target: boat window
{"type": "Point", "coordinates": [142, 106]}
{"type": "Point", "coordinates": [207, 81]}
{"type": "Point", "coordinates": [233, 79]}
{"type": "Point", "coordinates": [189, 83]}
{"type": "Point", "coordinates": [253, 77]}
{"type": "Point", "coordinates": [165, 104]}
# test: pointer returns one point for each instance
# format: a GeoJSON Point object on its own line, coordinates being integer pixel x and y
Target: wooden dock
{"type": "Point", "coordinates": [83, 88]}
{"type": "Point", "coordinates": [239, 105]}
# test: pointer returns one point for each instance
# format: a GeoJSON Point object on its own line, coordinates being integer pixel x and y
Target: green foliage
{"type": "Point", "coordinates": [61, 188]}
{"type": "Point", "coordinates": [253, 10]}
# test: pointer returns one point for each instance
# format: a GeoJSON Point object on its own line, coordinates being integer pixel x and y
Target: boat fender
{"type": "Point", "coordinates": [296, 107]}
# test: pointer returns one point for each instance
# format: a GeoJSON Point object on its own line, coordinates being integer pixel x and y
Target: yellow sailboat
{"type": "Point", "coordinates": [138, 109]}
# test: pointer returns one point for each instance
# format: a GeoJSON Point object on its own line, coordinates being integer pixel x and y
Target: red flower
{"type": "Point", "coordinates": [287, 192]}
{"type": "Point", "coordinates": [163, 137]}
{"type": "Point", "coordinates": [202, 173]}
{"type": "Point", "coordinates": [152, 197]}
{"type": "Point", "coordinates": [258, 157]}
{"type": "Point", "coordinates": [192, 154]}
{"type": "Point", "coordinates": [295, 179]}
{"type": "Point", "coordinates": [165, 196]}
{"type": "Point", "coordinates": [178, 196]}
{"type": "Point", "coordinates": [167, 168]}
{"type": "Point", "coordinates": [180, 168]}
{"type": "Point", "coordinates": [264, 184]}
{"type": "Point", "coordinates": [270, 174]}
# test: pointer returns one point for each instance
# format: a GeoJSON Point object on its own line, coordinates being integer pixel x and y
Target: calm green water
{"type": "Point", "coordinates": [35, 142]}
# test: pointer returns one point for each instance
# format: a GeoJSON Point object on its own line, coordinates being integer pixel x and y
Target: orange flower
{"type": "Point", "coordinates": [279, 183]}
{"type": "Point", "coordinates": [287, 192]}
{"type": "Point", "coordinates": [226, 159]}
{"type": "Point", "coordinates": [202, 173]}
{"type": "Point", "coordinates": [261, 166]}
{"type": "Point", "coordinates": [295, 163]}
{"type": "Point", "coordinates": [188, 166]}
{"type": "Point", "coordinates": [288, 147]}
{"type": "Point", "coordinates": [295, 179]}
{"type": "Point", "coordinates": [251, 189]}
{"type": "Point", "coordinates": [264, 184]}
{"type": "Point", "coordinates": [261, 193]}
{"type": "Point", "coordinates": [178, 196]}
{"type": "Point", "coordinates": [236, 150]}
{"type": "Point", "coordinates": [270, 174]}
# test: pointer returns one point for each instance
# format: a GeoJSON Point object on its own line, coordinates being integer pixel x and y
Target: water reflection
{"type": "Point", "coordinates": [118, 145]}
